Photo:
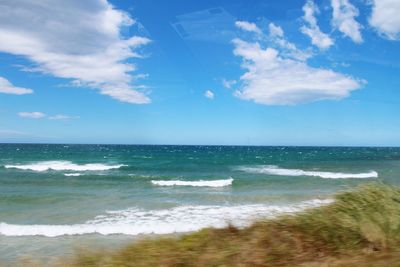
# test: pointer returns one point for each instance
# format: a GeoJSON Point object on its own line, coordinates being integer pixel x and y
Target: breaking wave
{"type": "Point", "coordinates": [63, 166]}
{"type": "Point", "coordinates": [211, 183]}
{"type": "Point", "coordinates": [136, 221]}
{"type": "Point", "coordinates": [275, 170]}
{"type": "Point", "coordinates": [73, 174]}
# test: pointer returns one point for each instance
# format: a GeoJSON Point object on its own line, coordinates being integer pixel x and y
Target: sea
{"type": "Point", "coordinates": [58, 198]}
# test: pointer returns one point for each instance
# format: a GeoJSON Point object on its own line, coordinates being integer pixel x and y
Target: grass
{"type": "Point", "coordinates": [362, 227]}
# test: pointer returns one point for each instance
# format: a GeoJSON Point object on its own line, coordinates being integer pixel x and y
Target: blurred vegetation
{"type": "Point", "coordinates": [362, 227]}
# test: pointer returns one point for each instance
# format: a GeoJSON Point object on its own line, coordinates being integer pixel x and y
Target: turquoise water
{"type": "Point", "coordinates": [55, 197]}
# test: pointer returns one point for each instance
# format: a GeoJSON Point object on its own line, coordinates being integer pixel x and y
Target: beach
{"type": "Point", "coordinates": [57, 198]}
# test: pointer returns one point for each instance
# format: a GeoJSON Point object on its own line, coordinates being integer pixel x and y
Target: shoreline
{"type": "Point", "coordinates": [48, 247]}
{"type": "Point", "coordinates": [352, 229]}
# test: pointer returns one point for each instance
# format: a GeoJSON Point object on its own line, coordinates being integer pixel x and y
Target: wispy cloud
{"type": "Point", "coordinates": [32, 115]}
{"type": "Point", "coordinates": [228, 83]}
{"type": "Point", "coordinates": [39, 115]}
{"type": "Point", "coordinates": [248, 26]}
{"type": "Point", "coordinates": [61, 117]}
{"type": "Point", "coordinates": [275, 31]}
{"type": "Point", "coordinates": [209, 94]}
{"type": "Point", "coordinates": [82, 42]}
{"type": "Point", "coordinates": [343, 18]}
{"type": "Point", "coordinates": [274, 77]}
{"type": "Point", "coordinates": [385, 18]}
{"type": "Point", "coordinates": [7, 87]}
{"type": "Point", "coordinates": [10, 133]}
{"type": "Point", "coordinates": [277, 38]}
{"type": "Point", "coordinates": [312, 30]}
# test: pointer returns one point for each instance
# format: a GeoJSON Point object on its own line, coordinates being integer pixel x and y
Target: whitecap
{"type": "Point", "coordinates": [62, 165]}
{"type": "Point", "coordinates": [73, 174]}
{"type": "Point", "coordinates": [275, 170]}
{"type": "Point", "coordinates": [206, 183]}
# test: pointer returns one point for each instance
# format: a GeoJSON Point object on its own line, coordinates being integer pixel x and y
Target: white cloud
{"type": "Point", "coordinates": [228, 83]}
{"type": "Point", "coordinates": [8, 88]}
{"type": "Point", "coordinates": [248, 26]}
{"type": "Point", "coordinates": [343, 19]}
{"type": "Point", "coordinates": [63, 117]}
{"type": "Point", "coordinates": [385, 18]}
{"type": "Point", "coordinates": [276, 36]}
{"type": "Point", "coordinates": [318, 38]}
{"type": "Point", "coordinates": [273, 77]}
{"type": "Point", "coordinates": [209, 94]}
{"type": "Point", "coordinates": [75, 40]}
{"type": "Point", "coordinates": [32, 115]}
{"type": "Point", "coordinates": [275, 31]}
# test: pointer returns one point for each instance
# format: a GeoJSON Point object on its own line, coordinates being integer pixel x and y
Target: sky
{"type": "Point", "coordinates": [221, 72]}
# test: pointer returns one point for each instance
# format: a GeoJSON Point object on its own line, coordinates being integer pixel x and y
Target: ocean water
{"type": "Point", "coordinates": [56, 198]}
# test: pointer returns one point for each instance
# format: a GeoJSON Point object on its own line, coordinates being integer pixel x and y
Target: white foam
{"type": "Point", "coordinates": [274, 170]}
{"type": "Point", "coordinates": [212, 183]}
{"type": "Point", "coordinates": [73, 174]}
{"type": "Point", "coordinates": [136, 221]}
{"type": "Point", "coordinates": [62, 165]}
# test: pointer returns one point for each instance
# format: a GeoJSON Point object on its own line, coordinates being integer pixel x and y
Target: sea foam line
{"type": "Point", "coordinates": [275, 170]}
{"type": "Point", "coordinates": [212, 183]}
{"type": "Point", "coordinates": [62, 165]}
{"type": "Point", "coordinates": [180, 219]}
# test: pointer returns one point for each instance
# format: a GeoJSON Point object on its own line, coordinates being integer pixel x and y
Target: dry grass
{"type": "Point", "coordinates": [361, 227]}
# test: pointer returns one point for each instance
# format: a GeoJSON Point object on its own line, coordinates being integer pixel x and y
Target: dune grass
{"type": "Point", "coordinates": [362, 227]}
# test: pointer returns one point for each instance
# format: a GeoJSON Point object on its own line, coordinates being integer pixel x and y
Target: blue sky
{"type": "Point", "coordinates": [231, 72]}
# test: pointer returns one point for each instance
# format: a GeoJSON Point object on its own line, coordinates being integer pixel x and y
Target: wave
{"type": "Point", "coordinates": [73, 174]}
{"type": "Point", "coordinates": [275, 170]}
{"type": "Point", "coordinates": [180, 219]}
{"type": "Point", "coordinates": [62, 165]}
{"type": "Point", "coordinates": [212, 183]}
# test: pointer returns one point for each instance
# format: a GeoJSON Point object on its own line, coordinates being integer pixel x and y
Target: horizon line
{"type": "Point", "coordinates": [212, 145]}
